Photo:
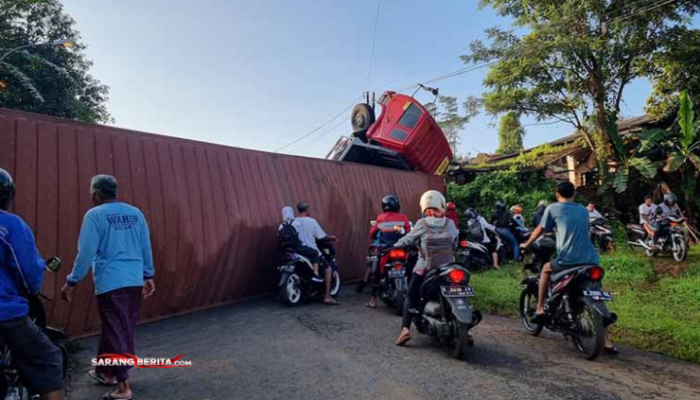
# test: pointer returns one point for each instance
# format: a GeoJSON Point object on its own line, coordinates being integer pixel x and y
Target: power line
{"type": "Point", "coordinates": [318, 127]}
{"type": "Point", "coordinates": [374, 42]}
{"type": "Point", "coordinates": [317, 138]}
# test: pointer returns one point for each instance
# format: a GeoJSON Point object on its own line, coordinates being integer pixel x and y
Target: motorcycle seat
{"type": "Point", "coordinates": [560, 275]}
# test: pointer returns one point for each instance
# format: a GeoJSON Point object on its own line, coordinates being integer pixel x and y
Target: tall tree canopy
{"type": "Point", "coordinates": [46, 79]}
{"type": "Point", "coordinates": [510, 134]}
{"type": "Point", "coordinates": [575, 59]}
{"type": "Point", "coordinates": [450, 121]}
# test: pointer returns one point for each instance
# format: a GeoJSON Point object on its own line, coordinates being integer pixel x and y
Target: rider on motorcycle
{"type": "Point", "coordinates": [574, 246]}
{"type": "Point", "coordinates": [490, 237]}
{"type": "Point", "coordinates": [21, 272]}
{"type": "Point", "coordinates": [503, 220]}
{"type": "Point", "coordinates": [593, 214]}
{"type": "Point", "coordinates": [310, 231]}
{"type": "Point", "coordinates": [390, 226]}
{"type": "Point", "coordinates": [452, 213]}
{"type": "Point", "coordinates": [433, 228]}
{"type": "Point", "coordinates": [668, 209]}
{"type": "Point", "coordinates": [539, 212]}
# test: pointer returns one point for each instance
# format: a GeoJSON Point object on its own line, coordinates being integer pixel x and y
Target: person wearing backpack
{"type": "Point", "coordinates": [436, 237]}
{"type": "Point", "coordinates": [288, 236]}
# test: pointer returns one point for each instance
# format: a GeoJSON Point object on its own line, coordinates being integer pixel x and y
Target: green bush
{"type": "Point", "coordinates": [526, 189]}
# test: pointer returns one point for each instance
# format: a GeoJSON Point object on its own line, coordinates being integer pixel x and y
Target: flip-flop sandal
{"type": "Point", "coordinates": [331, 303]}
{"type": "Point", "coordinates": [370, 305]}
{"type": "Point", "coordinates": [108, 396]}
{"type": "Point", "coordinates": [402, 342]}
{"type": "Point", "coordinates": [613, 351]}
{"type": "Point", "coordinates": [101, 380]}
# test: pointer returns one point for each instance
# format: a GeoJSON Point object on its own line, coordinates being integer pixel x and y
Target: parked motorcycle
{"type": "Point", "coordinates": [394, 270]}
{"type": "Point", "coordinates": [602, 235]}
{"type": "Point", "coordinates": [445, 312]}
{"type": "Point", "coordinates": [294, 276]}
{"type": "Point", "coordinates": [575, 303]}
{"type": "Point", "coordinates": [475, 256]}
{"type": "Point", "coordinates": [675, 242]}
{"type": "Point", "coordinates": [11, 381]}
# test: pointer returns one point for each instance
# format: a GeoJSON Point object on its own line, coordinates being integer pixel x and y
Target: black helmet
{"type": "Point", "coordinates": [670, 199]}
{"type": "Point", "coordinates": [302, 206]}
{"type": "Point", "coordinates": [391, 203]}
{"type": "Point", "coordinates": [7, 189]}
{"type": "Point", "coordinates": [500, 205]}
{"type": "Point", "coordinates": [471, 214]}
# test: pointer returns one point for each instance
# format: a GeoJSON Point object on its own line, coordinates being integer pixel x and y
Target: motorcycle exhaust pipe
{"type": "Point", "coordinates": [639, 243]}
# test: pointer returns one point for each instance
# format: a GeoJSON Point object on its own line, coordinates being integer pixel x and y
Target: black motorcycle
{"type": "Point", "coordinates": [294, 276]}
{"type": "Point", "coordinates": [445, 313]}
{"type": "Point", "coordinates": [602, 234]}
{"type": "Point", "coordinates": [394, 270]}
{"type": "Point", "coordinates": [474, 255]}
{"type": "Point", "coordinates": [575, 305]}
{"type": "Point", "coordinates": [12, 385]}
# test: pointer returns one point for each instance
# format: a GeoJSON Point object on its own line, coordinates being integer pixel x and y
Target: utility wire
{"type": "Point", "coordinates": [317, 128]}
{"type": "Point", "coordinates": [374, 42]}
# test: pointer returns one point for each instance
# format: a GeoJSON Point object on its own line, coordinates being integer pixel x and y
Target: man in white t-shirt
{"type": "Point", "coordinates": [647, 211]}
{"type": "Point", "coordinates": [310, 231]}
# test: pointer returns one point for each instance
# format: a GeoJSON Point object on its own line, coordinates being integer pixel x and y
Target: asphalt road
{"type": "Point", "coordinates": [262, 350]}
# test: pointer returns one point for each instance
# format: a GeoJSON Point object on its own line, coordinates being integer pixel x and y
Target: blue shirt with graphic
{"type": "Point", "coordinates": [115, 241]}
{"type": "Point", "coordinates": [574, 246]}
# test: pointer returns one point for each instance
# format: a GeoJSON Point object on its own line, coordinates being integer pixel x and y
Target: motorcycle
{"type": "Point", "coordinates": [475, 255]}
{"type": "Point", "coordinates": [575, 303]}
{"type": "Point", "coordinates": [11, 382]}
{"type": "Point", "coordinates": [675, 242]}
{"type": "Point", "coordinates": [294, 276]}
{"type": "Point", "coordinates": [393, 265]}
{"type": "Point", "coordinates": [602, 234]}
{"type": "Point", "coordinates": [444, 312]}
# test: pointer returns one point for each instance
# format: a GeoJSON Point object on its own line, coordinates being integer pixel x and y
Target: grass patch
{"type": "Point", "coordinates": [656, 312]}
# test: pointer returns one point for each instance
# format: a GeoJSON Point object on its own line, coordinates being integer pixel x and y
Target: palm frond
{"type": "Point", "coordinates": [41, 60]}
{"type": "Point", "coordinates": [26, 82]}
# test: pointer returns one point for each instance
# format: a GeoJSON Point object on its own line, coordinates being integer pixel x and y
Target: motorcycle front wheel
{"type": "Point", "coordinates": [590, 336]}
{"type": "Point", "coordinates": [681, 252]}
{"type": "Point", "coordinates": [528, 306]}
{"type": "Point", "coordinates": [290, 292]}
{"type": "Point", "coordinates": [335, 284]}
{"type": "Point", "coordinates": [459, 342]}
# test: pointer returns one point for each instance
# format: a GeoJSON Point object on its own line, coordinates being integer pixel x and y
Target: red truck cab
{"type": "Point", "coordinates": [405, 136]}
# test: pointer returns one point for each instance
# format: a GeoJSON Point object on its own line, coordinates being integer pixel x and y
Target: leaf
{"type": "Point", "coordinates": [647, 168]}
{"type": "Point", "coordinates": [652, 138]}
{"type": "Point", "coordinates": [673, 162]}
{"type": "Point", "coordinates": [686, 121]}
{"type": "Point", "coordinates": [41, 60]}
{"type": "Point", "coordinates": [621, 178]}
{"type": "Point", "coordinates": [695, 160]}
{"type": "Point", "coordinates": [26, 82]}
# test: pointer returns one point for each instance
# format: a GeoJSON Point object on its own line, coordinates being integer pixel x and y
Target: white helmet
{"type": "Point", "coordinates": [432, 199]}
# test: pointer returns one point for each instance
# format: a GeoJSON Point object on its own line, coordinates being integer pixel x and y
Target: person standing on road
{"type": "Point", "coordinates": [437, 236]}
{"type": "Point", "coordinates": [39, 362]}
{"type": "Point", "coordinates": [115, 241]}
{"type": "Point", "coordinates": [310, 231]}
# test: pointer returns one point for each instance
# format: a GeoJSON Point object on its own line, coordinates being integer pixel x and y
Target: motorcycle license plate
{"type": "Point", "coordinates": [393, 273]}
{"type": "Point", "coordinates": [598, 295]}
{"type": "Point", "coordinates": [457, 291]}
{"type": "Point", "coordinates": [287, 268]}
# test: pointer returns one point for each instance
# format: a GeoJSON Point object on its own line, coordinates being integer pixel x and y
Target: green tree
{"type": "Point", "coordinates": [510, 134]}
{"type": "Point", "coordinates": [676, 68]}
{"type": "Point", "coordinates": [450, 121]}
{"type": "Point", "coordinates": [47, 79]}
{"type": "Point", "coordinates": [575, 59]}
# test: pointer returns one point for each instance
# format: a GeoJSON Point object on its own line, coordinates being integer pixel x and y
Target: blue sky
{"type": "Point", "coordinates": [259, 74]}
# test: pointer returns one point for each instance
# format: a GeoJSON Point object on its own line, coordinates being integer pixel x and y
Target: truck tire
{"type": "Point", "coordinates": [362, 117]}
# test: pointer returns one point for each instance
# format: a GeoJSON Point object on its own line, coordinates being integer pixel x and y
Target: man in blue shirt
{"type": "Point", "coordinates": [115, 241]}
{"type": "Point", "coordinates": [574, 246]}
{"type": "Point", "coordinates": [21, 272]}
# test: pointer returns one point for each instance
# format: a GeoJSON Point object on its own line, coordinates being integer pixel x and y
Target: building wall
{"type": "Point", "coordinates": [213, 210]}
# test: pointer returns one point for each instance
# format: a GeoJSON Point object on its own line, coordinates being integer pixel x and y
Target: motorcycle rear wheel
{"type": "Point", "coordinates": [590, 322]}
{"type": "Point", "coordinates": [398, 302]}
{"type": "Point", "coordinates": [335, 284]}
{"type": "Point", "coordinates": [528, 303]}
{"type": "Point", "coordinates": [458, 344]}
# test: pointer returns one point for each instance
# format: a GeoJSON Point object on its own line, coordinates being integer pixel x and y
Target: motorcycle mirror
{"type": "Point", "coordinates": [53, 264]}
{"type": "Point", "coordinates": [373, 222]}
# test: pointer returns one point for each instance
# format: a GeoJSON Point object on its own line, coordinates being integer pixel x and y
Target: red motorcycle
{"type": "Point", "coordinates": [390, 269]}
